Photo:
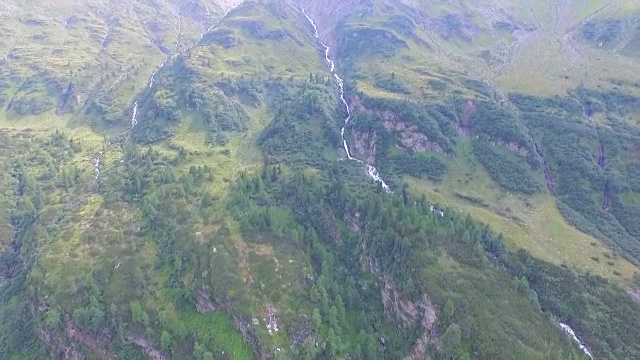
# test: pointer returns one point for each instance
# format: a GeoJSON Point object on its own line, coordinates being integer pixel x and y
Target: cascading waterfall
{"type": "Point", "coordinates": [134, 111]}
{"type": "Point", "coordinates": [134, 120]}
{"type": "Point", "coordinates": [371, 170]}
{"type": "Point", "coordinates": [567, 329]}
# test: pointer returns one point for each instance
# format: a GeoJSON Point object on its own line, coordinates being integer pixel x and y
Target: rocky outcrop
{"type": "Point", "coordinates": [406, 313]}
{"type": "Point", "coordinates": [204, 305]}
{"type": "Point", "coordinates": [328, 13]}
{"type": "Point", "coordinates": [58, 347]}
{"type": "Point", "coordinates": [248, 335]}
{"type": "Point", "coordinates": [515, 147]}
{"type": "Point", "coordinates": [548, 176]}
{"type": "Point", "coordinates": [606, 194]}
{"type": "Point", "coordinates": [353, 222]}
{"type": "Point", "coordinates": [98, 344]}
{"type": "Point", "coordinates": [146, 347]}
{"type": "Point", "coordinates": [409, 135]}
{"type": "Point", "coordinates": [464, 118]}
{"type": "Point", "coordinates": [635, 294]}
{"type": "Point", "coordinates": [601, 156]}
{"type": "Point", "coordinates": [68, 101]}
{"type": "Point", "coordinates": [366, 145]}
{"type": "Point", "coordinates": [64, 345]}
{"type": "Point", "coordinates": [409, 314]}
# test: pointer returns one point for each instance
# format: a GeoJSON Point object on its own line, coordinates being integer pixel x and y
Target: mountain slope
{"type": "Point", "coordinates": [90, 57]}
{"type": "Point", "coordinates": [460, 71]}
{"type": "Point", "coordinates": [179, 180]}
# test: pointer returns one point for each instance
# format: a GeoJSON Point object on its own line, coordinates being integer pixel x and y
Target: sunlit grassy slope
{"type": "Point", "coordinates": [72, 55]}
{"type": "Point", "coordinates": [539, 48]}
{"type": "Point", "coordinates": [532, 47]}
{"type": "Point", "coordinates": [530, 223]}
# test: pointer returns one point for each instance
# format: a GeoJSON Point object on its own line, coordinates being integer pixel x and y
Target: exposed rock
{"type": "Point", "coordinates": [516, 148]}
{"type": "Point", "coordinates": [548, 176]}
{"type": "Point", "coordinates": [34, 22]}
{"type": "Point", "coordinates": [408, 314]}
{"type": "Point", "coordinates": [410, 136]}
{"type": "Point", "coordinates": [302, 332]}
{"type": "Point", "coordinates": [464, 119]}
{"type": "Point", "coordinates": [98, 344]}
{"type": "Point", "coordinates": [601, 156]}
{"type": "Point", "coordinates": [635, 294]}
{"type": "Point", "coordinates": [222, 37]}
{"type": "Point", "coordinates": [58, 347]}
{"type": "Point", "coordinates": [353, 222]}
{"type": "Point", "coordinates": [147, 348]}
{"type": "Point", "coordinates": [366, 145]}
{"type": "Point", "coordinates": [67, 101]}
{"type": "Point", "coordinates": [454, 26]}
{"type": "Point", "coordinates": [204, 305]}
{"type": "Point", "coordinates": [70, 21]}
{"type": "Point", "coordinates": [606, 194]}
{"type": "Point", "coordinates": [247, 334]}
{"type": "Point", "coordinates": [328, 13]}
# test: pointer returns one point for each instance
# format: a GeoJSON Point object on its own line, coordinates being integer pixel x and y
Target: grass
{"type": "Point", "coordinates": [530, 223]}
{"type": "Point", "coordinates": [263, 56]}
{"type": "Point", "coordinates": [539, 227]}
{"type": "Point", "coordinates": [217, 328]}
{"type": "Point", "coordinates": [540, 64]}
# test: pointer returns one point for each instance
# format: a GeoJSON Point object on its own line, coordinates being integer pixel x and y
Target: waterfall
{"type": "Point", "coordinates": [97, 165]}
{"type": "Point", "coordinates": [134, 111]}
{"type": "Point", "coordinates": [134, 120]}
{"type": "Point", "coordinates": [371, 170]}
{"type": "Point", "coordinates": [567, 329]}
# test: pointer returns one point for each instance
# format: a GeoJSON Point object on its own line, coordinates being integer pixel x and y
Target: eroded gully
{"type": "Point", "coordinates": [134, 110]}
{"type": "Point", "coordinates": [371, 170]}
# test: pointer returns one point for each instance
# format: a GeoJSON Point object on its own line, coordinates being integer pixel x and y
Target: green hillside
{"type": "Point", "coordinates": [175, 183]}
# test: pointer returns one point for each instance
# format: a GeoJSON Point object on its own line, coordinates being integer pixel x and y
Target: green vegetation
{"type": "Point", "coordinates": [392, 84]}
{"type": "Point", "coordinates": [225, 225]}
{"type": "Point", "coordinates": [504, 171]}
{"type": "Point", "coordinates": [422, 254]}
{"type": "Point", "coordinates": [572, 147]}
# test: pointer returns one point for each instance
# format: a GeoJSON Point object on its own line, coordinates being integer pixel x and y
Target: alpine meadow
{"type": "Point", "coordinates": [320, 179]}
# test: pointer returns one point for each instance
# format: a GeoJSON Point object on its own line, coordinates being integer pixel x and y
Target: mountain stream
{"type": "Point", "coordinates": [567, 329]}
{"type": "Point", "coordinates": [134, 111]}
{"type": "Point", "coordinates": [371, 170]}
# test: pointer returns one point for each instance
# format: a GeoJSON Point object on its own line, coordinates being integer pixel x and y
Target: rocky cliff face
{"type": "Point", "coordinates": [406, 313]}
{"type": "Point", "coordinates": [409, 135]}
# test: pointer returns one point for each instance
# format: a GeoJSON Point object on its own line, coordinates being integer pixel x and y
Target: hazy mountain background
{"type": "Point", "coordinates": [174, 182]}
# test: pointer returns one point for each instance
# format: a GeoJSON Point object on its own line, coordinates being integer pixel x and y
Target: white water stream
{"type": "Point", "coordinates": [371, 170]}
{"type": "Point", "coordinates": [567, 329]}
{"type": "Point", "coordinates": [134, 111]}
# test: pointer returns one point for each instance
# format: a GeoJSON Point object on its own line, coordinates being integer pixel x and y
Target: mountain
{"type": "Point", "coordinates": [353, 179]}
